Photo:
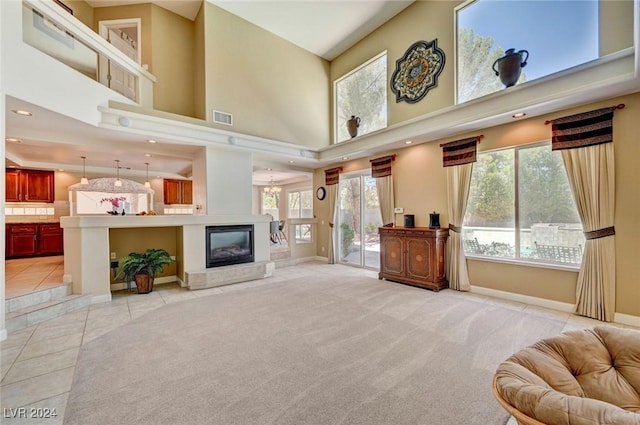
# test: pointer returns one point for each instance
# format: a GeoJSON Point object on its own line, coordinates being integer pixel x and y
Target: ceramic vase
{"type": "Point", "coordinates": [352, 126]}
{"type": "Point", "coordinates": [510, 66]}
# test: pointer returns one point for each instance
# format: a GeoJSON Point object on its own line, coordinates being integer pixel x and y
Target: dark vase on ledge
{"type": "Point", "coordinates": [352, 126]}
{"type": "Point", "coordinates": [510, 66]}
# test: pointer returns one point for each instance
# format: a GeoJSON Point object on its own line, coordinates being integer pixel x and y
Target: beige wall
{"type": "Point", "coordinates": [429, 20]}
{"type": "Point", "coordinates": [81, 10]}
{"type": "Point", "coordinates": [124, 241]}
{"type": "Point", "coordinates": [142, 11]}
{"type": "Point", "coordinates": [420, 188]}
{"type": "Point", "coordinates": [273, 88]}
{"type": "Point", "coordinates": [167, 49]}
{"type": "Point", "coordinates": [173, 62]}
{"type": "Point", "coordinates": [199, 71]}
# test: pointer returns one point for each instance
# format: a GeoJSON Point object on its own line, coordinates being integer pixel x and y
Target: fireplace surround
{"type": "Point", "coordinates": [228, 245]}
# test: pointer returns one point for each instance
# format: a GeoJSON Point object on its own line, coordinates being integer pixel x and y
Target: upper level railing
{"type": "Point", "coordinates": [50, 29]}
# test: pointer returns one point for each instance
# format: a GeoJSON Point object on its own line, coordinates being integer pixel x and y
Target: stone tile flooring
{"type": "Point", "coordinates": [38, 363]}
{"type": "Point", "coordinates": [25, 275]}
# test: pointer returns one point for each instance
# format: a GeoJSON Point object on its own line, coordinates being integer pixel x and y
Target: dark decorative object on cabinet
{"type": "Point", "coordinates": [434, 220]}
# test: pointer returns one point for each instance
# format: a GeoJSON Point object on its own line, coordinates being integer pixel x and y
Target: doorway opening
{"type": "Point", "coordinates": [126, 36]}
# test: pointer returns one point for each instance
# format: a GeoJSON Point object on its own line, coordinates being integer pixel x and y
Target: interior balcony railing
{"type": "Point", "coordinates": [49, 28]}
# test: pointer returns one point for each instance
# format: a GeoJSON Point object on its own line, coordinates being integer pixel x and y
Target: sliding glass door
{"type": "Point", "coordinates": [358, 221]}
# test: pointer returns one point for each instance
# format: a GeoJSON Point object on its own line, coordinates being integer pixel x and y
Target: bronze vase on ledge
{"type": "Point", "coordinates": [352, 126]}
{"type": "Point", "coordinates": [510, 66]}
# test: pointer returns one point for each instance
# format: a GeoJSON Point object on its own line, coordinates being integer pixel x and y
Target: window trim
{"type": "Point", "coordinates": [601, 59]}
{"type": "Point", "coordinates": [300, 190]}
{"type": "Point", "coordinates": [335, 95]}
{"type": "Point", "coordinates": [517, 260]}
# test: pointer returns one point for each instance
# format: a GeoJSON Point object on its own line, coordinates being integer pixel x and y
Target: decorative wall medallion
{"type": "Point", "coordinates": [417, 71]}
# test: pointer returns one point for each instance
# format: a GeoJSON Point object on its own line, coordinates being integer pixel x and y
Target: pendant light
{"type": "Point", "coordinates": [146, 183]}
{"type": "Point", "coordinates": [83, 180]}
{"type": "Point", "coordinates": [272, 188]}
{"type": "Point", "coordinates": [118, 183]}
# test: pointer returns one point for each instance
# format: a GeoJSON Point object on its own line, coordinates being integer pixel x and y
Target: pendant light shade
{"type": "Point", "coordinates": [83, 180]}
{"type": "Point", "coordinates": [118, 183]}
{"type": "Point", "coordinates": [146, 183]}
{"type": "Point", "coordinates": [272, 188]}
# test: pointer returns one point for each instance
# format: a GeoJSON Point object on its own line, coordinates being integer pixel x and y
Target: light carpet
{"type": "Point", "coordinates": [305, 351]}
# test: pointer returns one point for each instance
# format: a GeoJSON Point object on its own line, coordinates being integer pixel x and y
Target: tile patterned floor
{"type": "Point", "coordinates": [38, 363]}
{"type": "Point", "coordinates": [24, 275]}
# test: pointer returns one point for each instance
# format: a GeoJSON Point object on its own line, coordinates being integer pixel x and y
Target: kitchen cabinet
{"type": "Point", "coordinates": [29, 185]}
{"type": "Point", "coordinates": [33, 239]}
{"type": "Point", "coordinates": [414, 255]}
{"type": "Point", "coordinates": [178, 192]}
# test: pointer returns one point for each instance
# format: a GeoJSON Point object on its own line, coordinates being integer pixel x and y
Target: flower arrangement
{"type": "Point", "coordinates": [115, 201]}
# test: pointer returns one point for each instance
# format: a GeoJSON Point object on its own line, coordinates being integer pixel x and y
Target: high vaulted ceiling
{"type": "Point", "coordinates": [325, 28]}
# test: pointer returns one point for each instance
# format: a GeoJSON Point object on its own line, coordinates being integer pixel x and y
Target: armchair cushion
{"type": "Point", "coordinates": [578, 378]}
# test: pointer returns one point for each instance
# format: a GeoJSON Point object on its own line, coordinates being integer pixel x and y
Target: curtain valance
{"type": "Point", "coordinates": [584, 129]}
{"type": "Point", "coordinates": [460, 152]}
{"type": "Point", "coordinates": [332, 176]}
{"type": "Point", "coordinates": [381, 167]}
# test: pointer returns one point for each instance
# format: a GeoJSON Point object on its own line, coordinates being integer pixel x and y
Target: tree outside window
{"type": "Point", "coordinates": [362, 93]}
{"type": "Point", "coordinates": [487, 28]}
{"type": "Point", "coordinates": [521, 206]}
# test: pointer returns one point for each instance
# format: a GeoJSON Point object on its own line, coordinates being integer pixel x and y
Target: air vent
{"type": "Point", "coordinates": [222, 118]}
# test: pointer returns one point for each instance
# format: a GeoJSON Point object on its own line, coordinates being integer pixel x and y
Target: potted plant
{"type": "Point", "coordinates": [143, 267]}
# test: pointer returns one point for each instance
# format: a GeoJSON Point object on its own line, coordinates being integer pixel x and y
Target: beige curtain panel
{"type": "Point", "coordinates": [332, 178]}
{"type": "Point", "coordinates": [585, 141]}
{"type": "Point", "coordinates": [458, 157]}
{"type": "Point", "coordinates": [381, 171]}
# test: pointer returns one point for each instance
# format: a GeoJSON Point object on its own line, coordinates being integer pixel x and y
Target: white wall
{"type": "Point", "coordinates": [228, 181]}
{"type": "Point", "coordinates": [34, 77]}
{"type": "Point", "coordinates": [3, 330]}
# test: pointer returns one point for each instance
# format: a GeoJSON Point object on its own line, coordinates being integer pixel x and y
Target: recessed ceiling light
{"type": "Point", "coordinates": [60, 169]}
{"type": "Point", "coordinates": [519, 115]}
{"type": "Point", "coordinates": [22, 112]}
{"type": "Point", "coordinates": [147, 155]}
{"type": "Point", "coordinates": [13, 140]}
{"type": "Point", "coordinates": [408, 142]}
{"type": "Point", "coordinates": [152, 141]}
{"type": "Point", "coordinates": [269, 169]}
{"type": "Point", "coordinates": [344, 158]}
{"type": "Point", "coordinates": [292, 162]}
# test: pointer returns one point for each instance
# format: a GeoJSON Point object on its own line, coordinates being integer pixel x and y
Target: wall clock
{"type": "Point", "coordinates": [417, 71]}
{"type": "Point", "coordinates": [321, 193]}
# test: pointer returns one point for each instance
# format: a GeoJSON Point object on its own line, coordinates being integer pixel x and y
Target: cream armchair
{"type": "Point", "coordinates": [589, 377]}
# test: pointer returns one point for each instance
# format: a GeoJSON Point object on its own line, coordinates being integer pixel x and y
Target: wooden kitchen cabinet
{"type": "Point", "coordinates": [415, 256]}
{"type": "Point", "coordinates": [29, 185]}
{"type": "Point", "coordinates": [50, 239]}
{"type": "Point", "coordinates": [178, 191]}
{"type": "Point", "coordinates": [33, 239]}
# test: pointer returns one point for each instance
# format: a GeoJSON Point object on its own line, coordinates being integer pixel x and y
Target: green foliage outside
{"type": "Point", "coordinates": [476, 55]}
{"type": "Point", "coordinates": [346, 239]}
{"type": "Point", "coordinates": [363, 94]}
{"type": "Point", "coordinates": [544, 192]}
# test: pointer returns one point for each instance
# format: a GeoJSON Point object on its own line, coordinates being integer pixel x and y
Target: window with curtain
{"type": "Point", "coordinates": [486, 29]}
{"type": "Point", "coordinates": [362, 93]}
{"type": "Point", "coordinates": [521, 207]}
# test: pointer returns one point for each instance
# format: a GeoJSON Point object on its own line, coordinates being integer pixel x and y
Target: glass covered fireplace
{"type": "Point", "coordinates": [228, 245]}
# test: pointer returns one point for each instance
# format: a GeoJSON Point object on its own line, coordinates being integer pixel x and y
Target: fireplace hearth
{"type": "Point", "coordinates": [227, 245]}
